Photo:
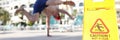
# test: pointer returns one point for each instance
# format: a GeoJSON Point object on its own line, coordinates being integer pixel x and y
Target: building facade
{"type": "Point", "coordinates": [12, 5]}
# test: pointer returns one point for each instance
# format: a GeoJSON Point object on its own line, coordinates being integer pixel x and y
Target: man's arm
{"type": "Point", "coordinates": [65, 12]}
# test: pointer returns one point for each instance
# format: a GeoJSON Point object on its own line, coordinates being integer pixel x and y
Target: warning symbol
{"type": "Point", "coordinates": [99, 27]}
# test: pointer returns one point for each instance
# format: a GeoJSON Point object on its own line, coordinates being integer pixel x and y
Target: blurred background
{"type": "Point", "coordinates": [9, 18]}
{"type": "Point", "coordinates": [11, 21]}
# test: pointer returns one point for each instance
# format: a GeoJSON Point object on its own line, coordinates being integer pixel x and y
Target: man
{"type": "Point", "coordinates": [49, 7]}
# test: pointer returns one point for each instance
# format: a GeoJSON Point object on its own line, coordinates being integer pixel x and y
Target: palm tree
{"type": "Point", "coordinates": [4, 16]}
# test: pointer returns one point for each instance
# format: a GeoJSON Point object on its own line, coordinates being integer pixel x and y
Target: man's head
{"type": "Point", "coordinates": [57, 17]}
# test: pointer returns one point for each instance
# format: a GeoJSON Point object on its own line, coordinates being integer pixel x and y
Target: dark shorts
{"type": "Point", "coordinates": [39, 6]}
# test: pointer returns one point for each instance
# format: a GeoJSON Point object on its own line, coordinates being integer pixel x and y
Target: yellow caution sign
{"type": "Point", "coordinates": [100, 20]}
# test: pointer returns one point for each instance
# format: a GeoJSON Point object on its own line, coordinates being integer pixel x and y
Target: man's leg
{"type": "Point", "coordinates": [54, 10]}
{"type": "Point", "coordinates": [30, 17]}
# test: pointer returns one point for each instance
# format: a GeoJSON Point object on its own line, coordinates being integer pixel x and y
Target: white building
{"type": "Point", "coordinates": [12, 5]}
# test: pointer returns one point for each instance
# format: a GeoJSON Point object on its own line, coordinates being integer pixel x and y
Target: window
{"type": "Point", "coordinates": [24, 6]}
{"type": "Point", "coordinates": [4, 3]}
{"type": "Point", "coordinates": [81, 12]}
{"type": "Point", "coordinates": [81, 4]}
{"type": "Point", "coordinates": [0, 7]}
{"type": "Point", "coordinates": [15, 7]}
{"type": "Point", "coordinates": [7, 2]}
{"type": "Point", "coordinates": [31, 5]}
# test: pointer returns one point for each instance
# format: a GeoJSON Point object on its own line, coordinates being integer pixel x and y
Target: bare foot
{"type": "Point", "coordinates": [71, 3]}
{"type": "Point", "coordinates": [49, 36]}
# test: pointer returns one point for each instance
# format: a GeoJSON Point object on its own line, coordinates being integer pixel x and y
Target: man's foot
{"type": "Point", "coordinates": [72, 18]}
{"type": "Point", "coordinates": [71, 3]}
{"type": "Point", "coordinates": [49, 36]}
{"type": "Point", "coordinates": [19, 10]}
